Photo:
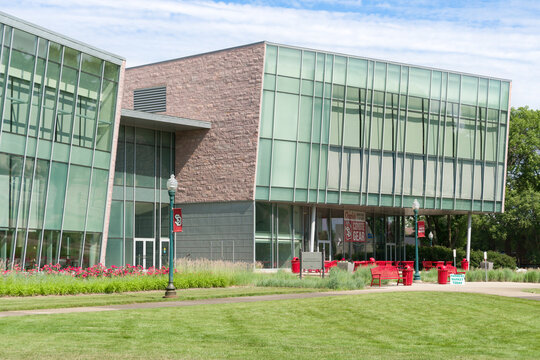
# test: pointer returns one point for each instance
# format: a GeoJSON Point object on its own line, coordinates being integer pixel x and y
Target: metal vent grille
{"type": "Point", "coordinates": [151, 100]}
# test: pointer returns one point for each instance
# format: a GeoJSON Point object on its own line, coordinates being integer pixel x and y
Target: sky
{"type": "Point", "coordinates": [493, 38]}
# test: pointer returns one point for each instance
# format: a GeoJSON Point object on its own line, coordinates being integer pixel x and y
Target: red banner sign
{"type": "Point", "coordinates": [421, 229]}
{"type": "Point", "coordinates": [354, 224]}
{"type": "Point", "coordinates": [177, 220]}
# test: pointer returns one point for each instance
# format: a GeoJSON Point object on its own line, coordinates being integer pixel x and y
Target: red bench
{"type": "Point", "coordinates": [385, 273]}
{"type": "Point", "coordinates": [452, 270]}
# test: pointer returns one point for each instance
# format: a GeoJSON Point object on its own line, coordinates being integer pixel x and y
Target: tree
{"type": "Point", "coordinates": [516, 231]}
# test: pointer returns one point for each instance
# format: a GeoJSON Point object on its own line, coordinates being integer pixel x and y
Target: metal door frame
{"type": "Point", "coordinates": [144, 240]}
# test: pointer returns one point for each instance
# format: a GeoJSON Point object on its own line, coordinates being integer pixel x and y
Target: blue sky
{"type": "Point", "coordinates": [494, 38]}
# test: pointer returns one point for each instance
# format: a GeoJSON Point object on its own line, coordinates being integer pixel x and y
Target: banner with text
{"type": "Point", "coordinates": [421, 229]}
{"type": "Point", "coordinates": [354, 223]}
{"type": "Point", "coordinates": [177, 220]}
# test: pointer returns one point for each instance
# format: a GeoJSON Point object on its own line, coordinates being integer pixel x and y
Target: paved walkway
{"type": "Point", "coordinates": [492, 288]}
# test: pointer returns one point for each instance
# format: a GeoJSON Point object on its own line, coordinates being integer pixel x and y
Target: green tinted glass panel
{"type": "Point", "coordinates": [340, 69]}
{"type": "Point", "coordinates": [505, 94]}
{"type": "Point", "coordinates": [466, 139]}
{"type": "Point", "coordinates": [469, 90]}
{"type": "Point", "coordinates": [289, 62]}
{"type": "Point", "coordinates": [263, 219]}
{"type": "Point", "coordinates": [283, 163]}
{"type": "Point", "coordinates": [413, 142]}
{"type": "Point", "coordinates": [494, 94]}
{"type": "Point", "coordinates": [376, 128]}
{"type": "Point", "coordinates": [482, 92]}
{"type": "Point", "coordinates": [286, 116]}
{"type": "Point", "coordinates": [91, 64]}
{"type": "Point", "coordinates": [287, 84]}
{"type": "Point", "coordinates": [314, 167]}
{"type": "Point", "coordinates": [336, 123]}
{"type": "Point", "coordinates": [270, 59]}
{"type": "Point", "coordinates": [436, 84]}
{"type": "Point", "coordinates": [357, 73]}
{"type": "Point", "coordinates": [392, 82]}
{"type": "Point", "coordinates": [308, 65]}
{"type": "Point", "coordinates": [77, 198]}
{"type": "Point", "coordinates": [319, 70]}
{"type": "Point", "coordinates": [24, 41]}
{"type": "Point", "coordinates": [453, 87]}
{"type": "Point", "coordinates": [419, 82]}
{"type": "Point", "coordinates": [106, 115]}
{"type": "Point", "coordinates": [284, 221]}
{"type": "Point", "coordinates": [263, 162]}
{"type": "Point", "coordinates": [380, 76]}
{"type": "Point", "coordinates": [267, 113]}
{"type": "Point", "coordinates": [55, 198]}
{"type": "Point", "coordinates": [304, 127]}
{"type": "Point", "coordinates": [116, 222]}
{"type": "Point", "coordinates": [111, 71]}
{"type": "Point", "coordinates": [302, 165]}
{"type": "Point", "coordinates": [404, 80]}
{"type": "Point", "coordinates": [129, 217]}
{"type": "Point", "coordinates": [71, 57]}
{"type": "Point", "coordinates": [39, 191]}
{"type": "Point", "coordinates": [352, 125]}
{"type": "Point", "coordinates": [144, 220]}
{"type": "Point", "coordinates": [322, 166]}
{"type": "Point", "coordinates": [98, 196]}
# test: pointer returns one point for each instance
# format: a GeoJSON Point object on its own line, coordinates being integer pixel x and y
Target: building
{"type": "Point", "coordinates": [275, 148]}
{"type": "Point", "coordinates": [58, 105]}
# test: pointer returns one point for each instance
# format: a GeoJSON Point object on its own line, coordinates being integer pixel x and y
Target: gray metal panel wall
{"type": "Point", "coordinates": [210, 229]}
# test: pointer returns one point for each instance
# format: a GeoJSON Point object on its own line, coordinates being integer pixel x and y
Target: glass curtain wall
{"type": "Point", "coordinates": [345, 130]}
{"type": "Point", "coordinates": [279, 231]}
{"type": "Point", "coordinates": [57, 113]}
{"type": "Point", "coordinates": [140, 207]}
{"type": "Point", "coordinates": [279, 236]}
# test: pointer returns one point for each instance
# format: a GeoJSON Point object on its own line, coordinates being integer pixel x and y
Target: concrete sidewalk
{"type": "Point", "coordinates": [491, 288]}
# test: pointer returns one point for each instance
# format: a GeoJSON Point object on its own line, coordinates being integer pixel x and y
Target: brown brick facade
{"type": "Point", "coordinates": [222, 87]}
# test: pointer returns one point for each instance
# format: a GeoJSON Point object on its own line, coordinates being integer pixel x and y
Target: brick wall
{"type": "Point", "coordinates": [223, 87]}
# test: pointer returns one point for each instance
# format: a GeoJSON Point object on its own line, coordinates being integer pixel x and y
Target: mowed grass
{"type": "Point", "coordinates": [67, 301]}
{"type": "Point", "coordinates": [410, 325]}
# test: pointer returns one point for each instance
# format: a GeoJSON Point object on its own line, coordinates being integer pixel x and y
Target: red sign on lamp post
{"type": "Point", "coordinates": [421, 229]}
{"type": "Point", "coordinates": [177, 220]}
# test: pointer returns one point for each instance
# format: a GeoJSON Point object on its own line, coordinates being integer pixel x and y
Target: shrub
{"type": "Point", "coordinates": [442, 253]}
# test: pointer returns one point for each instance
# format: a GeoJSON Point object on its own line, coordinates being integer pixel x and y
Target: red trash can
{"type": "Point", "coordinates": [464, 264]}
{"type": "Point", "coordinates": [443, 275]}
{"type": "Point", "coordinates": [295, 265]}
{"type": "Point", "coordinates": [407, 276]}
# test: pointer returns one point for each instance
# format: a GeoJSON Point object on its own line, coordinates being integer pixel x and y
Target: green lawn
{"type": "Point", "coordinates": [408, 325]}
{"type": "Point", "coordinates": [534, 291]}
{"type": "Point", "coordinates": [50, 302]}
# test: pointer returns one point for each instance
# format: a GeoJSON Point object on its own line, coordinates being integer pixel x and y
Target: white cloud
{"type": "Point", "coordinates": [502, 40]}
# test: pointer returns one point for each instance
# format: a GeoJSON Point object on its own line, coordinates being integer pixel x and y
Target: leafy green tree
{"type": "Point", "coordinates": [516, 231]}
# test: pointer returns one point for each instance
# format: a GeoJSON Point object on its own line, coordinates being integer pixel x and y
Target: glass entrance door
{"type": "Point", "coordinates": [144, 253]}
{"type": "Point", "coordinates": [164, 252]}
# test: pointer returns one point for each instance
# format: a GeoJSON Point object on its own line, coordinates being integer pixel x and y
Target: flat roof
{"type": "Point", "coordinates": [326, 52]}
{"type": "Point", "coordinates": [161, 122]}
{"type": "Point", "coordinates": [387, 61]}
{"type": "Point", "coordinates": [59, 38]}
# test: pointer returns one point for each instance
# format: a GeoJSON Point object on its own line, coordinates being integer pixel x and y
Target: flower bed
{"type": "Point", "coordinates": [95, 271]}
{"type": "Point", "coordinates": [55, 280]}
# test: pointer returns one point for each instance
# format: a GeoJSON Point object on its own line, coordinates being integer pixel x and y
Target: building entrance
{"type": "Point", "coordinates": [164, 252]}
{"type": "Point", "coordinates": [143, 252]}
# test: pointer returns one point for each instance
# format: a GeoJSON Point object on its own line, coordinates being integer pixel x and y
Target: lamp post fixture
{"type": "Point", "coordinates": [415, 207]}
{"type": "Point", "coordinates": [430, 239]}
{"type": "Point", "coordinates": [172, 184]}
